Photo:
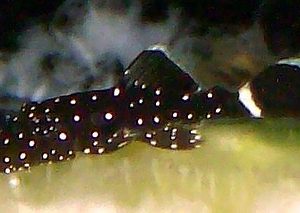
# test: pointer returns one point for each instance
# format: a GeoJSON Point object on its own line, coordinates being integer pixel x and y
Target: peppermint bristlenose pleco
{"type": "Point", "coordinates": [155, 102]}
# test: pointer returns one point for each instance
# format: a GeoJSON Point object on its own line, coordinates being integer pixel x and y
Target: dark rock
{"type": "Point", "coordinates": [276, 90]}
{"type": "Point", "coordinates": [16, 15]}
{"type": "Point", "coordinates": [281, 23]}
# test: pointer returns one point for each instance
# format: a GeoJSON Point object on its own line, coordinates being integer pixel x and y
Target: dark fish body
{"type": "Point", "coordinates": [152, 103]}
{"type": "Point", "coordinates": [276, 90]}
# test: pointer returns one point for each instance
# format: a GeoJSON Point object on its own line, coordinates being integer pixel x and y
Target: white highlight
{"type": "Point", "coordinates": [175, 115]}
{"type": "Point", "coordinates": [156, 119]}
{"type": "Point", "coordinates": [193, 131]}
{"type": "Point", "coordinates": [148, 135]}
{"type": "Point", "coordinates": [290, 61]}
{"type": "Point", "coordinates": [108, 116]}
{"type": "Point", "coordinates": [62, 136]}
{"type": "Point", "coordinates": [158, 92]}
{"type": "Point", "coordinates": [174, 146]}
{"type": "Point", "coordinates": [76, 118]}
{"type": "Point", "coordinates": [141, 101]}
{"type": "Point", "coordinates": [6, 141]}
{"type": "Point", "coordinates": [73, 102]}
{"type": "Point", "coordinates": [95, 134]}
{"type": "Point", "coordinates": [6, 160]}
{"type": "Point", "coordinates": [117, 92]}
{"type": "Point", "coordinates": [21, 135]}
{"type": "Point", "coordinates": [126, 72]}
{"type": "Point", "coordinates": [100, 150]}
{"type": "Point", "coordinates": [122, 144]}
{"type": "Point", "coordinates": [209, 95]}
{"type": "Point", "coordinates": [45, 156]}
{"type": "Point", "coordinates": [87, 151]}
{"type": "Point", "coordinates": [218, 110]}
{"type": "Point", "coordinates": [185, 97]}
{"type": "Point", "coordinates": [31, 143]}
{"type": "Point", "coordinates": [94, 97]}
{"type": "Point", "coordinates": [245, 96]}
{"type": "Point", "coordinates": [198, 137]}
{"type": "Point", "coordinates": [22, 156]}
{"type": "Point", "coordinates": [157, 103]}
{"type": "Point", "coordinates": [153, 142]}
{"type": "Point", "coordinates": [140, 121]}
{"type": "Point", "coordinates": [161, 48]}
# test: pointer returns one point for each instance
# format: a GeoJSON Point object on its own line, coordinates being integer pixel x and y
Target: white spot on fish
{"type": "Point", "coordinates": [7, 170]}
{"type": "Point", "coordinates": [100, 150]}
{"type": "Point", "coordinates": [95, 134]}
{"type": "Point", "coordinates": [108, 116]}
{"type": "Point", "coordinates": [218, 110]}
{"type": "Point", "coordinates": [22, 156]}
{"type": "Point", "coordinates": [157, 103]}
{"type": "Point", "coordinates": [126, 72]}
{"type": "Point", "coordinates": [76, 118]}
{"type": "Point", "coordinates": [94, 97]}
{"type": "Point", "coordinates": [31, 143]}
{"type": "Point", "coordinates": [6, 159]}
{"type": "Point", "coordinates": [117, 92]}
{"type": "Point", "coordinates": [153, 142]}
{"type": "Point", "coordinates": [158, 91]}
{"type": "Point", "coordinates": [175, 115]}
{"type": "Point", "coordinates": [174, 146]}
{"type": "Point", "coordinates": [45, 156]}
{"type": "Point", "coordinates": [185, 97]}
{"type": "Point", "coordinates": [140, 121]}
{"type": "Point", "coordinates": [6, 141]}
{"type": "Point", "coordinates": [209, 95]}
{"type": "Point", "coordinates": [62, 136]}
{"type": "Point", "coordinates": [21, 135]}
{"type": "Point", "coordinates": [156, 119]}
{"type": "Point", "coordinates": [73, 102]}
{"type": "Point", "coordinates": [87, 150]}
{"type": "Point", "coordinates": [141, 101]}
{"type": "Point", "coordinates": [148, 135]}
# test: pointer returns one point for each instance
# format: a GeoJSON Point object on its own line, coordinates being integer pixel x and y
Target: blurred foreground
{"type": "Point", "coordinates": [244, 165]}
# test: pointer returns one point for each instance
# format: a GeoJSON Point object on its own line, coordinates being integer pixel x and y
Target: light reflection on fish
{"type": "Point", "coordinates": [153, 103]}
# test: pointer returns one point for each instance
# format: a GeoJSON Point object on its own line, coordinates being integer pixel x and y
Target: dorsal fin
{"type": "Point", "coordinates": [153, 67]}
